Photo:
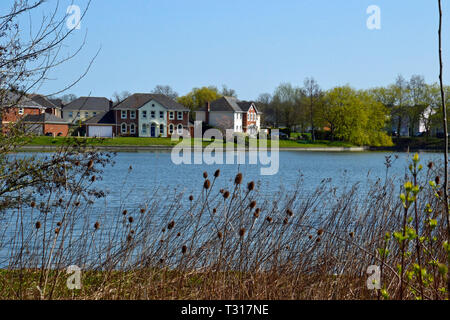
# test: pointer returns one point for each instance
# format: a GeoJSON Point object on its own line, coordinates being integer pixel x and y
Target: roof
{"type": "Point", "coordinates": [137, 100]}
{"type": "Point", "coordinates": [57, 102]}
{"type": "Point", "coordinates": [89, 103]}
{"type": "Point", "coordinates": [11, 99]}
{"type": "Point", "coordinates": [104, 118]}
{"type": "Point", "coordinates": [43, 101]}
{"type": "Point", "coordinates": [43, 117]}
{"type": "Point", "coordinates": [230, 104]}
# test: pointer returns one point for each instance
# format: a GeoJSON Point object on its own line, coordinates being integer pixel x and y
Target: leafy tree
{"type": "Point", "coordinates": [198, 97]}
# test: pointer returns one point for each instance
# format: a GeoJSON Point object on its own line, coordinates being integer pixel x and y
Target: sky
{"type": "Point", "coordinates": [250, 46]}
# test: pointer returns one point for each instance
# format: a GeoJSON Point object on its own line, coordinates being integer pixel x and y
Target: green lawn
{"type": "Point", "coordinates": [131, 141]}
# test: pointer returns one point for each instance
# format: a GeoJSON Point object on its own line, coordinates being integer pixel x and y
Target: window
{"type": "Point", "coordinates": [123, 128]}
{"type": "Point", "coordinates": [161, 114]}
{"type": "Point", "coordinates": [21, 111]}
{"type": "Point", "coordinates": [132, 128]}
{"type": "Point", "coordinates": [171, 115]}
{"type": "Point", "coordinates": [153, 104]}
{"type": "Point", "coordinates": [180, 115]}
{"type": "Point", "coordinates": [153, 114]}
{"type": "Point", "coordinates": [180, 129]}
{"type": "Point", "coordinates": [94, 113]}
{"type": "Point", "coordinates": [133, 114]}
{"type": "Point", "coordinates": [124, 114]}
{"type": "Point", "coordinates": [144, 129]}
{"type": "Point", "coordinates": [171, 129]}
{"type": "Point", "coordinates": [86, 114]}
{"type": "Point", "coordinates": [161, 129]}
{"type": "Point", "coordinates": [144, 114]}
{"type": "Point", "coordinates": [78, 114]}
{"type": "Point", "coordinates": [70, 114]}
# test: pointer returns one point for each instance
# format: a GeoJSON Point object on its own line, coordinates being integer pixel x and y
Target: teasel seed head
{"type": "Point", "coordinates": [286, 221]}
{"type": "Point", "coordinates": [96, 225]}
{"type": "Point", "coordinates": [58, 224]}
{"type": "Point", "coordinates": [130, 219]}
{"type": "Point", "coordinates": [207, 184]}
{"type": "Point", "coordinates": [256, 214]}
{"type": "Point", "coordinates": [183, 249]}
{"type": "Point", "coordinates": [124, 212]}
{"type": "Point", "coordinates": [238, 179]}
{"type": "Point", "coordinates": [319, 232]}
{"type": "Point", "coordinates": [217, 173]}
{"type": "Point", "coordinates": [38, 225]}
{"type": "Point", "coordinates": [242, 232]}
{"type": "Point", "coordinates": [90, 164]}
{"type": "Point", "coordinates": [219, 235]}
{"type": "Point", "coordinates": [129, 238]}
{"type": "Point", "coordinates": [252, 204]}
{"type": "Point", "coordinates": [430, 165]}
{"type": "Point", "coordinates": [289, 212]}
{"type": "Point", "coordinates": [269, 219]}
{"type": "Point", "coordinates": [221, 191]}
{"type": "Point", "coordinates": [132, 231]}
{"type": "Point", "coordinates": [351, 234]}
{"type": "Point", "coordinates": [33, 204]}
{"type": "Point", "coordinates": [205, 175]}
{"type": "Point", "coordinates": [226, 194]}
{"type": "Point", "coordinates": [142, 210]}
{"type": "Point", "coordinates": [310, 237]}
{"type": "Point", "coordinates": [437, 180]}
{"type": "Point", "coordinates": [56, 230]}
{"type": "Point", "coordinates": [251, 186]}
{"type": "Point", "coordinates": [214, 210]}
{"type": "Point", "coordinates": [178, 234]}
{"type": "Point", "coordinates": [93, 178]}
{"type": "Point", "coordinates": [191, 198]}
{"type": "Point", "coordinates": [318, 240]}
{"type": "Point", "coordinates": [171, 225]}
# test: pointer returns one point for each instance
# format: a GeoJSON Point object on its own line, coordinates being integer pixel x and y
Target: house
{"type": "Point", "coordinates": [101, 126]}
{"type": "Point", "coordinates": [231, 113]}
{"type": "Point", "coordinates": [50, 106]}
{"type": "Point", "coordinates": [15, 106]}
{"type": "Point", "coordinates": [46, 124]}
{"type": "Point", "coordinates": [84, 108]}
{"type": "Point", "coordinates": [150, 115]}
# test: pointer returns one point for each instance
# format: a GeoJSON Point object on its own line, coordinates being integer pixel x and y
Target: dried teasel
{"type": "Point", "coordinates": [97, 225]}
{"type": "Point", "coordinates": [310, 237]}
{"type": "Point", "coordinates": [256, 214]}
{"type": "Point", "coordinates": [251, 186]}
{"type": "Point", "coordinates": [205, 175]}
{"type": "Point", "coordinates": [318, 240]}
{"type": "Point", "coordinates": [124, 212]}
{"type": "Point", "coordinates": [226, 194]}
{"type": "Point", "coordinates": [58, 224]}
{"type": "Point", "coordinates": [430, 165]}
{"type": "Point", "coordinates": [57, 231]}
{"type": "Point", "coordinates": [142, 210]}
{"type": "Point", "coordinates": [437, 180]}
{"type": "Point", "coordinates": [171, 225]}
{"type": "Point", "coordinates": [191, 198]}
{"type": "Point", "coordinates": [33, 204]}
{"type": "Point", "coordinates": [289, 212]}
{"type": "Point", "coordinates": [269, 219]}
{"type": "Point", "coordinates": [90, 164]}
{"type": "Point", "coordinates": [242, 232]}
{"type": "Point", "coordinates": [130, 219]}
{"type": "Point", "coordinates": [351, 234]}
{"type": "Point", "coordinates": [238, 179]}
{"type": "Point", "coordinates": [183, 249]}
{"type": "Point", "coordinates": [219, 235]}
{"type": "Point", "coordinates": [214, 211]}
{"type": "Point", "coordinates": [38, 225]}
{"type": "Point", "coordinates": [252, 204]}
{"type": "Point", "coordinates": [285, 221]}
{"type": "Point", "coordinates": [207, 184]}
{"type": "Point", "coordinates": [93, 178]}
{"type": "Point", "coordinates": [319, 232]}
{"type": "Point", "coordinates": [178, 234]}
{"type": "Point", "coordinates": [217, 173]}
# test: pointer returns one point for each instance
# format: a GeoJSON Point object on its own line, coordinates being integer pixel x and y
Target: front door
{"type": "Point", "coordinates": [153, 130]}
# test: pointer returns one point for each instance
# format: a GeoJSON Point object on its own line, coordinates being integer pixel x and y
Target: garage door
{"type": "Point", "coordinates": [100, 131]}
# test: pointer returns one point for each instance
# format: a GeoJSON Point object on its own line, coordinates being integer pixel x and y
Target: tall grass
{"type": "Point", "coordinates": [232, 243]}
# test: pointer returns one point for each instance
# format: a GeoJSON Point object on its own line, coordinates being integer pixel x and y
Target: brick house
{"type": "Point", "coordinates": [46, 124]}
{"type": "Point", "coordinates": [150, 115]}
{"type": "Point", "coordinates": [51, 106]}
{"type": "Point", "coordinates": [84, 108]}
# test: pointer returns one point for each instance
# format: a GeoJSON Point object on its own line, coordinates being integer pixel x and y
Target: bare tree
{"type": "Point", "coordinates": [165, 90]}
{"type": "Point", "coordinates": [228, 92]}
{"type": "Point", "coordinates": [119, 97]}
{"type": "Point", "coordinates": [312, 93]}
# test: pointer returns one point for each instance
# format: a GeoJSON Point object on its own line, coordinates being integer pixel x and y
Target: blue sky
{"type": "Point", "coordinates": [250, 45]}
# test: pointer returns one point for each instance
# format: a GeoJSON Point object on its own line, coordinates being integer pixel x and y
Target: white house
{"type": "Point", "coordinates": [230, 113]}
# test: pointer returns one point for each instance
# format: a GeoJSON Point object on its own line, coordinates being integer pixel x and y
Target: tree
{"type": "Point", "coordinates": [198, 97]}
{"type": "Point", "coordinates": [312, 94]}
{"type": "Point", "coordinates": [228, 92]}
{"type": "Point", "coordinates": [119, 97]}
{"type": "Point", "coordinates": [354, 116]}
{"type": "Point", "coordinates": [263, 102]}
{"type": "Point", "coordinates": [400, 92]}
{"type": "Point", "coordinates": [417, 89]}
{"type": "Point", "coordinates": [165, 90]}
{"type": "Point", "coordinates": [287, 105]}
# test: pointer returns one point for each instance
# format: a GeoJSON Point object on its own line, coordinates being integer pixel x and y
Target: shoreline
{"type": "Point", "coordinates": [152, 148]}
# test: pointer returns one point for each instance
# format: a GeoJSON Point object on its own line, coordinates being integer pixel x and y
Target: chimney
{"type": "Point", "coordinates": [208, 110]}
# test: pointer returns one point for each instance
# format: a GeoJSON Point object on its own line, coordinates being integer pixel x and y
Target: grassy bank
{"type": "Point", "coordinates": [167, 142]}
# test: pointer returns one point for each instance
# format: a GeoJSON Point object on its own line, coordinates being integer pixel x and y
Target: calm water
{"type": "Point", "coordinates": [155, 170]}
